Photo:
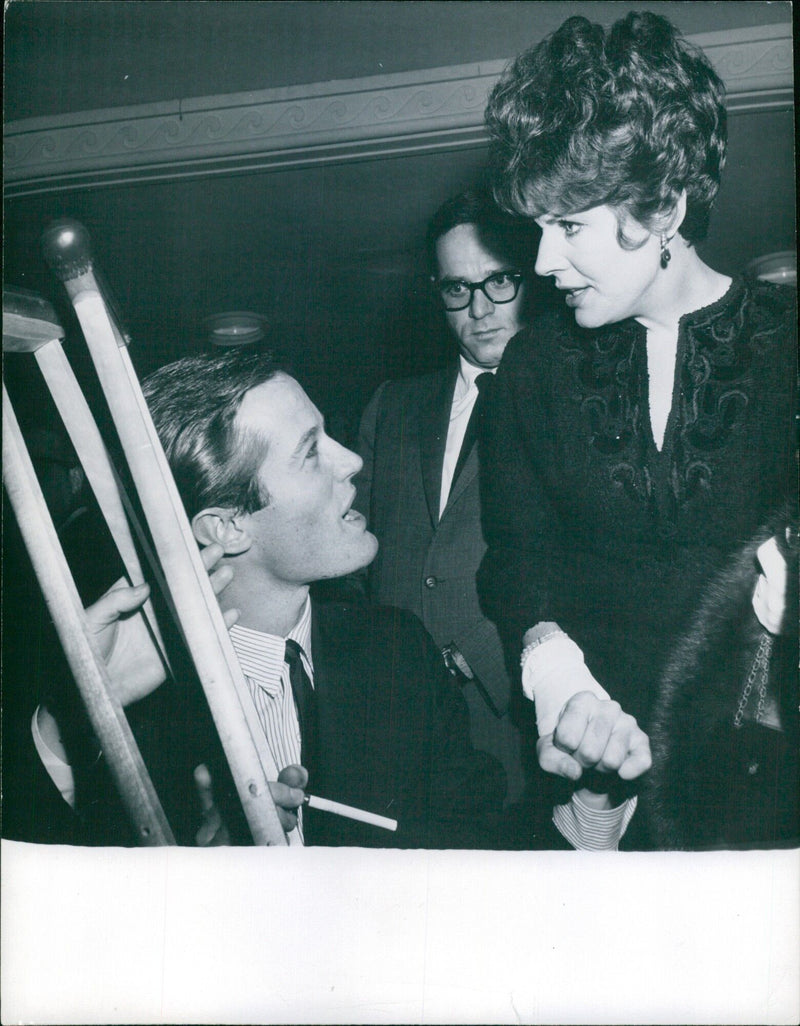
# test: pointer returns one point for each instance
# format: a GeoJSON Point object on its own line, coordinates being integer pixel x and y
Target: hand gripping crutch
{"type": "Point", "coordinates": [67, 250]}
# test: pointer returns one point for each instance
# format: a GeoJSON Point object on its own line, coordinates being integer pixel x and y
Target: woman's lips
{"type": "Point", "coordinates": [573, 297]}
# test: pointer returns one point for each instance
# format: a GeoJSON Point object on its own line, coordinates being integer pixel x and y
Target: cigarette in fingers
{"type": "Point", "coordinates": [347, 810]}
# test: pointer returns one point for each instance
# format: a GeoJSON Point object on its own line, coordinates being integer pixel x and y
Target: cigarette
{"type": "Point", "coordinates": [347, 810]}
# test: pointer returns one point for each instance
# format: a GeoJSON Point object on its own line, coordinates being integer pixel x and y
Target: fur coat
{"type": "Point", "coordinates": [725, 766]}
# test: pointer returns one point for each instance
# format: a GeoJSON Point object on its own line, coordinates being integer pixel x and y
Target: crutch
{"type": "Point", "coordinates": [67, 250]}
{"type": "Point", "coordinates": [61, 595]}
{"type": "Point", "coordinates": [30, 325]}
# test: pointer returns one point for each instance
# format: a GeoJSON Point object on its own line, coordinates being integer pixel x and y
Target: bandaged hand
{"type": "Point", "coordinates": [580, 727]}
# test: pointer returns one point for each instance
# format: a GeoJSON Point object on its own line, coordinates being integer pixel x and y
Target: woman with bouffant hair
{"type": "Point", "coordinates": [638, 438]}
{"type": "Point", "coordinates": [633, 118]}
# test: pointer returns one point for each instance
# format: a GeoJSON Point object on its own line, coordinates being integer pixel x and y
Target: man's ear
{"type": "Point", "coordinates": [224, 526]}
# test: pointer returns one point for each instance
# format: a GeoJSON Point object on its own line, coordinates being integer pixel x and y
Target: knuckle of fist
{"type": "Point", "coordinates": [567, 739]}
{"type": "Point", "coordinates": [590, 754]}
{"type": "Point", "coordinates": [566, 732]}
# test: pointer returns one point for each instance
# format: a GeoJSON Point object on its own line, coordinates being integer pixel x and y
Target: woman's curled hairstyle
{"type": "Point", "coordinates": [628, 118]}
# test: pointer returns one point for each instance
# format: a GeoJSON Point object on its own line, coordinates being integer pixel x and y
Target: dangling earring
{"type": "Point", "coordinates": [666, 256]}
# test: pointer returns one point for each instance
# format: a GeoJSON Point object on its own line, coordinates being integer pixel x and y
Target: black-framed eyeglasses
{"type": "Point", "coordinates": [500, 287]}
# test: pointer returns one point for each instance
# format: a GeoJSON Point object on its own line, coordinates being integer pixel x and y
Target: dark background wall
{"type": "Point", "coordinates": [63, 55]}
{"type": "Point", "coordinates": [329, 255]}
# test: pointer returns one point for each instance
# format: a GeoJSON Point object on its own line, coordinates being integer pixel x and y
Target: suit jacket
{"type": "Point", "coordinates": [427, 564]}
{"type": "Point", "coordinates": [392, 739]}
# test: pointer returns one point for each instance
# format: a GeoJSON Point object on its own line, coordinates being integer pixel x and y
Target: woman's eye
{"type": "Point", "coordinates": [569, 227]}
{"type": "Point", "coordinates": [312, 452]}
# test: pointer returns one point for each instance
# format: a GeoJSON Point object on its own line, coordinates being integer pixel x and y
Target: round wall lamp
{"type": "Point", "coordinates": [236, 328]}
{"type": "Point", "coordinates": [778, 267]}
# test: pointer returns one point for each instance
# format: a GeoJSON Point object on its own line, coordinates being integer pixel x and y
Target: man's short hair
{"type": "Point", "coordinates": [194, 402]}
{"type": "Point", "coordinates": [512, 238]}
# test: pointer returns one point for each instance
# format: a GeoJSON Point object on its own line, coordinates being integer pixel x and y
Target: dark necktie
{"type": "Point", "coordinates": [304, 703]}
{"type": "Point", "coordinates": [474, 423]}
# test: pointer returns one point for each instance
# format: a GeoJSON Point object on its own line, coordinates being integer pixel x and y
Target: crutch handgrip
{"type": "Point", "coordinates": [67, 249]}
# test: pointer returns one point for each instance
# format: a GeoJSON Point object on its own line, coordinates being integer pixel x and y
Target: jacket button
{"type": "Point", "coordinates": [430, 582]}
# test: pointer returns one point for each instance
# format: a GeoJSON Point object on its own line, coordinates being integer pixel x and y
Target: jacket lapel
{"type": "Point", "coordinates": [468, 474]}
{"type": "Point", "coordinates": [434, 422]}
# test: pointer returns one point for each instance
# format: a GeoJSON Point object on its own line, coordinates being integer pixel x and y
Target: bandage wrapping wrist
{"type": "Point", "coordinates": [553, 670]}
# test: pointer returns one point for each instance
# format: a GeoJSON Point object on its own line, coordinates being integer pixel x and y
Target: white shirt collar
{"type": "Point", "coordinates": [467, 373]}
{"type": "Point", "coordinates": [261, 655]}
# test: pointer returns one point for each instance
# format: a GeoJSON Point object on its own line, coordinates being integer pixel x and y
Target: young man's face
{"type": "Point", "coordinates": [307, 532]}
{"type": "Point", "coordinates": [483, 329]}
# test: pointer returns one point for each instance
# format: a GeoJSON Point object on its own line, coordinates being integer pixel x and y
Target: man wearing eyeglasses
{"type": "Point", "coordinates": [419, 488]}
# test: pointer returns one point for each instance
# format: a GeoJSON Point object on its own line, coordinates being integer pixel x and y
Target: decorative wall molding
{"type": "Point", "coordinates": [387, 115]}
{"type": "Point", "coordinates": [756, 65]}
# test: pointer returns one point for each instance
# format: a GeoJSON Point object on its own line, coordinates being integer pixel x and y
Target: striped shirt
{"type": "Point", "coordinates": [590, 829]}
{"type": "Point", "coordinates": [262, 659]}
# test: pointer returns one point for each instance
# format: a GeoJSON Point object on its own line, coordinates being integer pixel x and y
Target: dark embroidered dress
{"type": "Point", "coordinates": [590, 524]}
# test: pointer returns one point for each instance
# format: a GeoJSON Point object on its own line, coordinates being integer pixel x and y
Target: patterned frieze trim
{"type": "Point", "coordinates": [433, 109]}
{"type": "Point", "coordinates": [274, 127]}
{"type": "Point", "coordinates": [753, 60]}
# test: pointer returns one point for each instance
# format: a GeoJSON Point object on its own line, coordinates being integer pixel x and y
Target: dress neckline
{"type": "Point", "coordinates": [736, 286]}
{"type": "Point", "coordinates": [692, 317]}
